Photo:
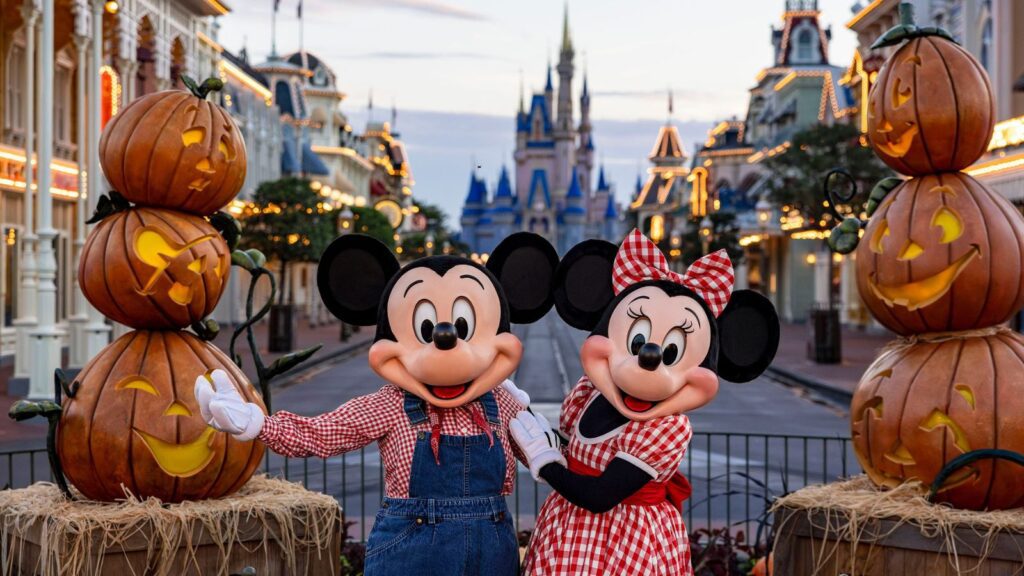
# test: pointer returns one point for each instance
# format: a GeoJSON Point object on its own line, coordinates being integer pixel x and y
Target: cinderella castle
{"type": "Point", "coordinates": [554, 193]}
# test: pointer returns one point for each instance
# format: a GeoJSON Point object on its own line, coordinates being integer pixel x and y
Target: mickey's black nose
{"type": "Point", "coordinates": [649, 356]}
{"type": "Point", "coordinates": [446, 337]}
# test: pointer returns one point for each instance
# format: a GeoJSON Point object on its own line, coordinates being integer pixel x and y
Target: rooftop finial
{"type": "Point", "coordinates": [566, 40]}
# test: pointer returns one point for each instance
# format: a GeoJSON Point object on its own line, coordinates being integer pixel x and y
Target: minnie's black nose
{"type": "Point", "coordinates": [446, 337]}
{"type": "Point", "coordinates": [649, 356]}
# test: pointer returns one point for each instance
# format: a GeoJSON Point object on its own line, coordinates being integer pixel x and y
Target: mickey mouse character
{"type": "Point", "coordinates": [658, 343]}
{"type": "Point", "coordinates": [444, 346]}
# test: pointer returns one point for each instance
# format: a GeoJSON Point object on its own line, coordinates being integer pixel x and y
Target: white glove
{"type": "Point", "coordinates": [223, 408]}
{"type": "Point", "coordinates": [537, 440]}
{"type": "Point", "coordinates": [520, 395]}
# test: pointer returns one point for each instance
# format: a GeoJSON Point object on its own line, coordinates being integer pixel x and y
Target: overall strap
{"type": "Point", "coordinates": [490, 408]}
{"type": "Point", "coordinates": [415, 408]}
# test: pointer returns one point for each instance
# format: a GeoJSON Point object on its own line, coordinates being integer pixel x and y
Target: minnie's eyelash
{"type": "Point", "coordinates": [687, 327]}
{"type": "Point", "coordinates": [634, 315]}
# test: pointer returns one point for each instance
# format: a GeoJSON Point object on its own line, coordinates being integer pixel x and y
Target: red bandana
{"type": "Point", "coordinates": [638, 259]}
{"type": "Point", "coordinates": [435, 415]}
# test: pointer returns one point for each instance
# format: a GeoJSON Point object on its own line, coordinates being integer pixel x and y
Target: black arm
{"type": "Point", "coordinates": [597, 494]}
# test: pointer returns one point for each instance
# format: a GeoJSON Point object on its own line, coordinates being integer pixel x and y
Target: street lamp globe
{"type": "Point", "coordinates": [345, 220]}
{"type": "Point", "coordinates": [706, 228]}
{"type": "Point", "coordinates": [764, 211]}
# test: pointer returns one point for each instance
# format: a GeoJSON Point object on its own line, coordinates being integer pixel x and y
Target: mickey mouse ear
{"type": "Point", "coordinates": [583, 283]}
{"type": "Point", "coordinates": [524, 264]}
{"type": "Point", "coordinates": [353, 272]}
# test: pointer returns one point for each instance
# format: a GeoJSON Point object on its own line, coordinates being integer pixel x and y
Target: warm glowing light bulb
{"type": "Point", "coordinates": [111, 7]}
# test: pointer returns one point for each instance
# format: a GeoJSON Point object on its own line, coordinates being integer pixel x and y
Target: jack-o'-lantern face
{"type": "Point", "coordinates": [167, 256]}
{"type": "Point", "coordinates": [176, 459]}
{"type": "Point", "coordinates": [134, 425]}
{"type": "Point", "coordinates": [213, 156]}
{"type": "Point", "coordinates": [935, 241]}
{"type": "Point", "coordinates": [920, 406]}
{"type": "Point", "coordinates": [152, 268]}
{"type": "Point", "coordinates": [931, 108]}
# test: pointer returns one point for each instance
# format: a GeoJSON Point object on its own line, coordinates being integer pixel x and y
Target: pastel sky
{"type": "Point", "coordinates": [453, 69]}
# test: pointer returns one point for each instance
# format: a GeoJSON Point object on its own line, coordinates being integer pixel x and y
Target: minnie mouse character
{"type": "Point", "coordinates": [444, 346]}
{"type": "Point", "coordinates": [658, 343]}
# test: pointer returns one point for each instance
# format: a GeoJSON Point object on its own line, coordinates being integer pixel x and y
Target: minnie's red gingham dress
{"type": "Point", "coordinates": [627, 540]}
{"type": "Point", "coordinates": [381, 416]}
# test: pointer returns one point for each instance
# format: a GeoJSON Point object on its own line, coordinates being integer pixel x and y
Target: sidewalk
{"type": "Point", "coordinates": [834, 380]}
{"type": "Point", "coordinates": [32, 433]}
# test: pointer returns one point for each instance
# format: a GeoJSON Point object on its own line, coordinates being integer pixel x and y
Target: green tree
{"type": "Point", "coordinates": [369, 221]}
{"type": "Point", "coordinates": [796, 176]}
{"type": "Point", "coordinates": [288, 222]}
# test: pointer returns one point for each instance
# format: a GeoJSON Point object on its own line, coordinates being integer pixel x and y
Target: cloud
{"type": "Point", "coordinates": [432, 7]}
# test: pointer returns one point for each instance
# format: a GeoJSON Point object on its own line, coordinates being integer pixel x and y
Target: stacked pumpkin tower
{"type": "Point", "coordinates": [940, 263]}
{"type": "Point", "coordinates": [158, 265]}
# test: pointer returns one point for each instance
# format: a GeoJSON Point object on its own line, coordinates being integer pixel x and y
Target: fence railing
{"type": "Point", "coordinates": [734, 476]}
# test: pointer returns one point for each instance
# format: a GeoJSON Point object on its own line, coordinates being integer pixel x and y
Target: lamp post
{"type": "Point", "coordinates": [345, 220]}
{"type": "Point", "coordinates": [706, 230]}
{"type": "Point", "coordinates": [428, 243]}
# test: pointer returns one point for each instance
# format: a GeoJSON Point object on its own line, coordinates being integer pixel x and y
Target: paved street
{"type": "Point", "coordinates": [756, 416]}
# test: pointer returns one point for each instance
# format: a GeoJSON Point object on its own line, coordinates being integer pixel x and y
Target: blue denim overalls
{"type": "Point", "coordinates": [455, 521]}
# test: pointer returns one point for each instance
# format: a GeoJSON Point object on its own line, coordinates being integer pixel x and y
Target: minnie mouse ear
{"type": "Point", "coordinates": [748, 336]}
{"type": "Point", "coordinates": [524, 264]}
{"type": "Point", "coordinates": [583, 283]}
{"type": "Point", "coordinates": [353, 272]}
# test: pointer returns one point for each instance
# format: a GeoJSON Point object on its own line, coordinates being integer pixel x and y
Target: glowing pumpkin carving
{"type": "Point", "coordinates": [175, 150]}
{"type": "Point", "coordinates": [943, 252]}
{"type": "Point", "coordinates": [134, 423]}
{"type": "Point", "coordinates": [931, 109]}
{"type": "Point", "coordinates": [152, 268]}
{"type": "Point", "coordinates": [920, 406]}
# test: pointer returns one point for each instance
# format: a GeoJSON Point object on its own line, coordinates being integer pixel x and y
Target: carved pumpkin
{"type": "Point", "coordinates": [941, 253]}
{"type": "Point", "coordinates": [153, 268]}
{"type": "Point", "coordinates": [920, 406]}
{"type": "Point", "coordinates": [134, 422]}
{"type": "Point", "coordinates": [174, 150]}
{"type": "Point", "coordinates": [931, 109]}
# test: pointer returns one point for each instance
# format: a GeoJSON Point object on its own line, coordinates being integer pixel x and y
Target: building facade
{"type": "Point", "coordinates": [553, 193]}
{"type": "Point", "coordinates": [799, 89]}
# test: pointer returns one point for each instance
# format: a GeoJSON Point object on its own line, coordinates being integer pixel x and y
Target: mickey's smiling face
{"type": "Point", "coordinates": [448, 344]}
{"type": "Point", "coordinates": [656, 348]}
{"type": "Point", "coordinates": [442, 322]}
{"type": "Point", "coordinates": [650, 362]}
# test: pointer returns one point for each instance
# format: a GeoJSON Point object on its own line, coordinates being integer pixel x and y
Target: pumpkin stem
{"type": "Point", "coordinates": [907, 30]}
{"type": "Point", "coordinates": [201, 91]}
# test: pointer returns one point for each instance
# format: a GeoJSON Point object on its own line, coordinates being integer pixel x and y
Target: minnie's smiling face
{"type": "Point", "coordinates": [649, 358]}
{"type": "Point", "coordinates": [656, 349]}
{"type": "Point", "coordinates": [442, 322]}
{"type": "Point", "coordinates": [447, 343]}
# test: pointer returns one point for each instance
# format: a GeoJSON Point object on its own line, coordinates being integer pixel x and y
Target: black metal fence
{"type": "Point", "coordinates": [734, 477]}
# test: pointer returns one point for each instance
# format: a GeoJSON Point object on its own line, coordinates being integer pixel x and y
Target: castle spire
{"type": "Point", "coordinates": [549, 86]}
{"type": "Point", "coordinates": [566, 39]}
{"type": "Point", "coordinates": [522, 101]}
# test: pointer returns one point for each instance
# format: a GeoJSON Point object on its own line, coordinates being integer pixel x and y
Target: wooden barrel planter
{"type": "Point", "coordinates": [853, 528]}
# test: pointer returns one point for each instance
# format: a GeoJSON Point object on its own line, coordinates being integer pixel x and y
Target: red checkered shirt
{"type": "Point", "coordinates": [381, 416]}
{"type": "Point", "coordinates": [628, 539]}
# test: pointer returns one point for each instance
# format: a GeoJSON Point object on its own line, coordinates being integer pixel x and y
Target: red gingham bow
{"type": "Point", "coordinates": [638, 259]}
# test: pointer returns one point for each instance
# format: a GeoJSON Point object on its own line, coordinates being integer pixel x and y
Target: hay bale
{"type": "Point", "coordinates": [275, 526]}
{"type": "Point", "coordinates": [853, 527]}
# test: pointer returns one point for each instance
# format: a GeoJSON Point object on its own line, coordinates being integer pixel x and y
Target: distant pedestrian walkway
{"type": "Point", "coordinates": [859, 349]}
